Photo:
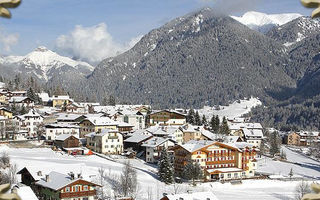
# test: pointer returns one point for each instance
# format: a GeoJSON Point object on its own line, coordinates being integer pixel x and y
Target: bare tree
{"type": "Point", "coordinates": [4, 178]}
{"type": "Point", "coordinates": [128, 180]}
{"type": "Point", "coordinates": [301, 189]}
{"type": "Point", "coordinates": [12, 173]}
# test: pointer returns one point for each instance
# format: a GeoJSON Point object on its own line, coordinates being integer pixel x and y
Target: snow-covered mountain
{"type": "Point", "coordinates": [264, 22]}
{"type": "Point", "coordinates": [44, 64]}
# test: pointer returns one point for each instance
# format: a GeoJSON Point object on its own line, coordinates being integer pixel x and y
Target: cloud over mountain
{"type": "Point", "coordinates": [92, 44]}
{"type": "Point", "coordinates": [7, 40]}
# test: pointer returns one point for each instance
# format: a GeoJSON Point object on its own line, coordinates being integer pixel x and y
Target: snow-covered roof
{"type": "Point", "coordinates": [63, 137]}
{"type": "Point", "coordinates": [240, 145]}
{"type": "Point", "coordinates": [67, 117]}
{"type": "Point", "coordinates": [62, 125]}
{"type": "Point", "coordinates": [231, 139]}
{"type": "Point", "coordinates": [154, 142]}
{"type": "Point", "coordinates": [191, 128]}
{"type": "Point", "coordinates": [124, 124]}
{"type": "Point", "coordinates": [101, 121]}
{"type": "Point", "coordinates": [61, 97]}
{"type": "Point", "coordinates": [17, 99]}
{"type": "Point", "coordinates": [237, 126]}
{"type": "Point", "coordinates": [44, 96]}
{"type": "Point", "coordinates": [194, 145]}
{"type": "Point", "coordinates": [136, 138]}
{"type": "Point", "coordinates": [252, 132]}
{"type": "Point", "coordinates": [193, 196]}
{"type": "Point", "coordinates": [209, 134]}
{"type": "Point", "coordinates": [31, 114]}
{"type": "Point", "coordinates": [309, 133]}
{"type": "Point", "coordinates": [56, 181]}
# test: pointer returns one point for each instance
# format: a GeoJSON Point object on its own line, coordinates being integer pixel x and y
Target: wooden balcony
{"type": "Point", "coordinates": [77, 194]}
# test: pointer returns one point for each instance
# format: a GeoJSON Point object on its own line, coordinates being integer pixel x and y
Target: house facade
{"type": "Point", "coordinates": [154, 146]}
{"type": "Point", "coordinates": [67, 141]}
{"type": "Point", "coordinates": [166, 117]}
{"type": "Point", "coordinates": [219, 161]}
{"type": "Point", "coordinates": [105, 141]}
{"type": "Point", "coordinates": [52, 131]}
{"type": "Point", "coordinates": [6, 113]}
{"type": "Point", "coordinates": [30, 122]}
{"type": "Point", "coordinates": [96, 124]}
{"type": "Point", "coordinates": [292, 138]}
{"type": "Point", "coordinates": [65, 187]}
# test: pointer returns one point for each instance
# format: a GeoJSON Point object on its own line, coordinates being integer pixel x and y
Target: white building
{"type": "Point", "coordinates": [30, 122]}
{"type": "Point", "coordinates": [154, 146]}
{"type": "Point", "coordinates": [106, 142]}
{"type": "Point", "coordinates": [54, 130]}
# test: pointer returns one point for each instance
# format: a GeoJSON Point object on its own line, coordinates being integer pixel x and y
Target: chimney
{"type": "Point", "coordinates": [47, 178]}
{"type": "Point", "coordinates": [39, 173]}
{"type": "Point", "coordinates": [79, 175]}
{"type": "Point", "coordinates": [71, 175]}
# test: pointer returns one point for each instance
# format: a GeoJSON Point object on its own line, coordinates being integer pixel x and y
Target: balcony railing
{"type": "Point", "coordinates": [77, 194]}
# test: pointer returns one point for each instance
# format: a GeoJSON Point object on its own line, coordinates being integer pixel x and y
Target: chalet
{"type": "Point", "coordinates": [59, 100]}
{"type": "Point", "coordinates": [44, 98]}
{"type": "Point", "coordinates": [6, 113]}
{"type": "Point", "coordinates": [30, 122]}
{"type": "Point", "coordinates": [55, 130]}
{"type": "Point", "coordinates": [3, 99]}
{"type": "Point", "coordinates": [190, 196]}
{"type": "Point", "coordinates": [219, 161]}
{"type": "Point", "coordinates": [124, 127]}
{"type": "Point", "coordinates": [166, 117]}
{"type": "Point", "coordinates": [105, 141]}
{"type": "Point", "coordinates": [154, 146]}
{"type": "Point", "coordinates": [135, 141]}
{"type": "Point", "coordinates": [74, 107]}
{"type": "Point", "coordinates": [234, 127]}
{"type": "Point", "coordinates": [253, 136]}
{"type": "Point", "coordinates": [69, 118]}
{"type": "Point", "coordinates": [172, 132]}
{"type": "Point", "coordinates": [66, 141]}
{"type": "Point", "coordinates": [21, 101]}
{"type": "Point", "coordinates": [308, 137]}
{"type": "Point", "coordinates": [191, 132]}
{"type": "Point", "coordinates": [60, 186]}
{"type": "Point", "coordinates": [134, 118]}
{"type": "Point", "coordinates": [292, 138]}
{"type": "Point", "coordinates": [19, 93]}
{"type": "Point", "coordinates": [96, 124]}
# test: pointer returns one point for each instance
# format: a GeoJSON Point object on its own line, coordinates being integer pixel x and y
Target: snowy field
{"type": "Point", "coordinates": [46, 160]}
{"type": "Point", "coordinates": [236, 109]}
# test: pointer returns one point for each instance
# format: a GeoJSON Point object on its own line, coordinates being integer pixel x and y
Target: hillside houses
{"type": "Point", "coordinates": [30, 122]}
{"type": "Point", "coordinates": [52, 131]}
{"type": "Point", "coordinates": [302, 138]}
{"type": "Point", "coordinates": [153, 147]}
{"type": "Point", "coordinates": [166, 117]}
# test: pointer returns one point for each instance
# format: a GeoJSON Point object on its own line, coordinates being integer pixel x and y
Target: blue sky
{"type": "Point", "coordinates": [41, 22]}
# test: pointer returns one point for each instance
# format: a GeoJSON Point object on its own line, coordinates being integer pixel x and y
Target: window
{"type": "Point", "coordinates": [229, 175]}
{"type": "Point", "coordinates": [67, 189]}
{"type": "Point", "coordinates": [85, 188]}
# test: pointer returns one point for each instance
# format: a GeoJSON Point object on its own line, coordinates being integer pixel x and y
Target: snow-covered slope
{"type": "Point", "coordinates": [263, 22]}
{"type": "Point", "coordinates": [43, 62]}
{"type": "Point", "coordinates": [234, 110]}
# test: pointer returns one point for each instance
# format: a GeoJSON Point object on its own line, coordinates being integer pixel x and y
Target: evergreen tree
{"type": "Point", "coordinates": [224, 128]}
{"type": "Point", "coordinates": [197, 119]}
{"type": "Point", "coordinates": [290, 173]}
{"type": "Point", "coordinates": [204, 120]}
{"type": "Point", "coordinates": [274, 143]}
{"type": "Point", "coordinates": [212, 122]}
{"type": "Point", "coordinates": [23, 110]}
{"type": "Point", "coordinates": [111, 101]}
{"type": "Point", "coordinates": [192, 171]}
{"type": "Point", "coordinates": [165, 167]}
{"type": "Point", "coordinates": [31, 94]}
{"type": "Point", "coordinates": [190, 117]}
{"type": "Point", "coordinates": [217, 123]}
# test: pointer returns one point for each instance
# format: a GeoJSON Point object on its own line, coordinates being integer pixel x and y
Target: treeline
{"type": "Point", "coordinates": [213, 125]}
{"type": "Point", "coordinates": [289, 115]}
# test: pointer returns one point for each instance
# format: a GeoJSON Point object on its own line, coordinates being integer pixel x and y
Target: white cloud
{"type": "Point", "coordinates": [91, 44]}
{"type": "Point", "coordinates": [7, 40]}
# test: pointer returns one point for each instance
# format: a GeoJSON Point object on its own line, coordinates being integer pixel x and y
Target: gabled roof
{"type": "Point", "coordinates": [18, 99]}
{"type": "Point", "coordinates": [136, 138]}
{"type": "Point", "coordinates": [58, 181]}
{"type": "Point", "coordinates": [68, 117]}
{"type": "Point", "coordinates": [194, 145]}
{"type": "Point", "coordinates": [5, 109]}
{"type": "Point", "coordinates": [63, 137]}
{"type": "Point", "coordinates": [102, 133]}
{"type": "Point", "coordinates": [170, 111]}
{"type": "Point", "coordinates": [252, 132]}
{"type": "Point", "coordinates": [154, 142]}
{"type": "Point", "coordinates": [101, 121]}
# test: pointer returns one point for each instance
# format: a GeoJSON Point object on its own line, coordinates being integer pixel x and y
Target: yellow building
{"type": "Point", "coordinates": [219, 161]}
{"type": "Point", "coordinates": [59, 101]}
{"type": "Point", "coordinates": [96, 124]}
{"type": "Point", "coordinates": [6, 113]}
